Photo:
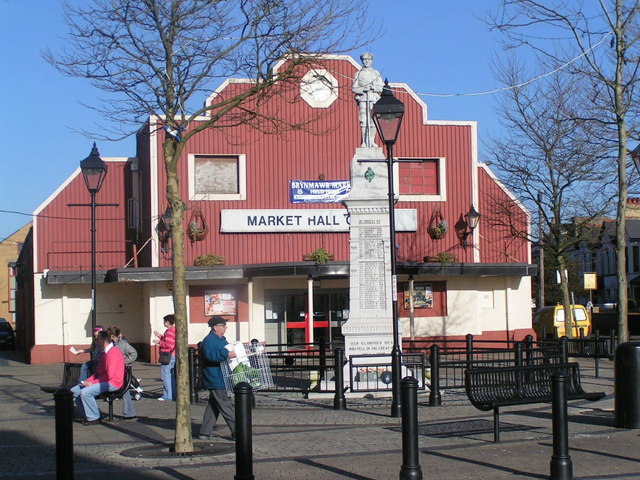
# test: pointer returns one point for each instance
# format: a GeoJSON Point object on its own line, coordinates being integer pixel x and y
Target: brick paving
{"type": "Point", "coordinates": [298, 438]}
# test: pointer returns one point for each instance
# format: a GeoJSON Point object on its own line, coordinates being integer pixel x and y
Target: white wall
{"type": "Point", "coordinates": [63, 312]}
{"type": "Point", "coordinates": [479, 304]}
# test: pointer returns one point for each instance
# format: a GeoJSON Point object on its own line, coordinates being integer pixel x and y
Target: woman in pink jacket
{"type": "Point", "coordinates": [167, 343]}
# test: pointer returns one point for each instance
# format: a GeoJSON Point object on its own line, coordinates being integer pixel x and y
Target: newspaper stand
{"type": "Point", "coordinates": [252, 367]}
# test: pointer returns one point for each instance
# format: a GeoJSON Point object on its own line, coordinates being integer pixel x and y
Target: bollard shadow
{"type": "Point", "coordinates": [596, 452]}
{"type": "Point", "coordinates": [35, 459]}
{"type": "Point", "coordinates": [480, 463]}
{"type": "Point", "coordinates": [335, 470]}
{"type": "Point", "coordinates": [582, 418]}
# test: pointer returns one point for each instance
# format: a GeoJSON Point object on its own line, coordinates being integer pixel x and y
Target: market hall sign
{"type": "Point", "coordinates": [302, 220]}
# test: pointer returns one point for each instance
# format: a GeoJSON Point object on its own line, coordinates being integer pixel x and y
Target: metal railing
{"type": "Point", "coordinates": [372, 373]}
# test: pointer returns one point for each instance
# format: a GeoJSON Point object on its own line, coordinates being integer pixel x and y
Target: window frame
{"type": "Point", "coordinates": [242, 178]}
{"type": "Point", "coordinates": [442, 184]}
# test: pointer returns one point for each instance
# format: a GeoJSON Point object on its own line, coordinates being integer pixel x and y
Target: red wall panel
{"type": "Point", "coordinates": [64, 232]}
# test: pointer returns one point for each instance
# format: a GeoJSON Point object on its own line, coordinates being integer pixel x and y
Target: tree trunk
{"type": "Point", "coordinates": [183, 438]}
{"type": "Point", "coordinates": [566, 298]}
{"type": "Point", "coordinates": [623, 184]}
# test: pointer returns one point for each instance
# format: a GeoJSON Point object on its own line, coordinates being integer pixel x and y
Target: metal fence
{"type": "Point", "coordinates": [372, 373]}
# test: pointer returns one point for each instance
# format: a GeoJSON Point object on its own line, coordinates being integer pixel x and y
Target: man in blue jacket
{"type": "Point", "coordinates": [212, 353]}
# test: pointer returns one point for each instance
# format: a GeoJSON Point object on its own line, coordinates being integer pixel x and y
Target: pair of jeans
{"type": "Point", "coordinates": [87, 369]}
{"type": "Point", "coordinates": [85, 398]}
{"type": "Point", "coordinates": [128, 410]}
{"type": "Point", "coordinates": [168, 374]}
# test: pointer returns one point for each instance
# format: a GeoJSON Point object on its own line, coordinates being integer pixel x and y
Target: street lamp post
{"type": "Point", "coordinates": [387, 116]}
{"type": "Point", "coordinates": [94, 171]}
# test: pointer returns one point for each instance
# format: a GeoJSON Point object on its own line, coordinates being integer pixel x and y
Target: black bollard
{"type": "Point", "coordinates": [244, 441]}
{"type": "Point", "coordinates": [323, 357]}
{"type": "Point", "coordinates": [193, 387]}
{"type": "Point", "coordinates": [410, 469]}
{"type": "Point", "coordinates": [597, 363]}
{"type": "Point", "coordinates": [561, 465]}
{"type": "Point", "coordinates": [339, 400]}
{"type": "Point", "coordinates": [564, 349]}
{"type": "Point", "coordinates": [64, 433]}
{"type": "Point", "coordinates": [528, 345]}
{"type": "Point", "coordinates": [627, 385]}
{"type": "Point", "coordinates": [469, 350]}
{"type": "Point", "coordinates": [435, 400]}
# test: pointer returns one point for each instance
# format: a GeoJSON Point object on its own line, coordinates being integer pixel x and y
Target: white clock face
{"type": "Point", "coordinates": [319, 88]}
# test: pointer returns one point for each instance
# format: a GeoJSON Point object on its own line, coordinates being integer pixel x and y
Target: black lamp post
{"type": "Point", "coordinates": [94, 170]}
{"type": "Point", "coordinates": [387, 116]}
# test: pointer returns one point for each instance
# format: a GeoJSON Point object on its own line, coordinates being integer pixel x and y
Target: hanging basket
{"type": "Point", "coordinates": [438, 226]}
{"type": "Point", "coordinates": [197, 228]}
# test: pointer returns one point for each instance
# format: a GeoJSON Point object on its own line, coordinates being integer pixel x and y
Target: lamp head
{"type": "Point", "coordinates": [94, 170]}
{"type": "Point", "coordinates": [387, 114]}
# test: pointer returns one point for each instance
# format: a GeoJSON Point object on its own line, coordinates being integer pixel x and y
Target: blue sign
{"type": "Point", "coordinates": [318, 191]}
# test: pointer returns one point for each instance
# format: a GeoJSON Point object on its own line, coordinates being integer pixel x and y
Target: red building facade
{"type": "Point", "coordinates": [241, 183]}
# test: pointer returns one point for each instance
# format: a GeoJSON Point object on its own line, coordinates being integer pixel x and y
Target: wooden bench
{"type": "Point", "coordinates": [121, 392]}
{"type": "Point", "coordinates": [70, 377]}
{"type": "Point", "coordinates": [492, 388]}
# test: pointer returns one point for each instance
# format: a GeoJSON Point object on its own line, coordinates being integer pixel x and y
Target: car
{"type": "Point", "coordinates": [7, 338]}
{"type": "Point", "coordinates": [548, 319]}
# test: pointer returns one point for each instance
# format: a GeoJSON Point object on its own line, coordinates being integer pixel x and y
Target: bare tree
{"type": "Point", "coordinates": [599, 42]}
{"type": "Point", "coordinates": [551, 163]}
{"type": "Point", "coordinates": [159, 58]}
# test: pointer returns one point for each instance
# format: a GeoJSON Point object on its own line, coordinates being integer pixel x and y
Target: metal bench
{"type": "Point", "coordinates": [70, 377]}
{"type": "Point", "coordinates": [492, 388]}
{"type": "Point", "coordinates": [121, 392]}
{"type": "Point", "coordinates": [589, 348]}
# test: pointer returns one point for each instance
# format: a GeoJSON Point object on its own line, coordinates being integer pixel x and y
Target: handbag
{"type": "Point", "coordinates": [165, 358]}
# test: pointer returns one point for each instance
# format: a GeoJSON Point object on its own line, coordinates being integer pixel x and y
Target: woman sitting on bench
{"type": "Point", "coordinates": [109, 376]}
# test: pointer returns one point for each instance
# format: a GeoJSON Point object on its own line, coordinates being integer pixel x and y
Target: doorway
{"type": "Point", "coordinates": [286, 317]}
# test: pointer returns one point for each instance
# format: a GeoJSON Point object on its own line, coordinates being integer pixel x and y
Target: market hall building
{"type": "Point", "coordinates": [265, 203]}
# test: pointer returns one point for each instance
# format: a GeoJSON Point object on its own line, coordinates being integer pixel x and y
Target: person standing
{"type": "Point", "coordinates": [212, 352]}
{"type": "Point", "coordinates": [167, 343]}
{"type": "Point", "coordinates": [108, 377]}
{"type": "Point", "coordinates": [130, 354]}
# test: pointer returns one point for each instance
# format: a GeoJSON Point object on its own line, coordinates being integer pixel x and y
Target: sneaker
{"type": "Point", "coordinates": [160, 399]}
{"type": "Point", "coordinates": [130, 418]}
{"type": "Point", "coordinates": [206, 437]}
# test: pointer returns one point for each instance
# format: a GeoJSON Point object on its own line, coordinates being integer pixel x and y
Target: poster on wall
{"type": "Point", "coordinates": [217, 302]}
{"type": "Point", "coordinates": [422, 296]}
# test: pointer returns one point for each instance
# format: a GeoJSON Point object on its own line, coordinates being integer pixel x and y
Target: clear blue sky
{"type": "Point", "coordinates": [434, 46]}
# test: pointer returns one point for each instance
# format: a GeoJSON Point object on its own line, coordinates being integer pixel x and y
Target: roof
{"type": "Point", "coordinates": [330, 270]}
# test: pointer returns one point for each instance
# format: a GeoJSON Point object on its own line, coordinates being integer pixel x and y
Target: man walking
{"type": "Point", "coordinates": [108, 377]}
{"type": "Point", "coordinates": [212, 352]}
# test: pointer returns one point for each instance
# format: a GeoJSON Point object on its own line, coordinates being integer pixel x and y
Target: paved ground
{"type": "Point", "coordinates": [297, 438]}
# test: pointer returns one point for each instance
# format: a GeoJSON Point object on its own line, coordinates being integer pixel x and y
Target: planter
{"type": "Point", "coordinates": [319, 255]}
{"type": "Point", "coordinates": [208, 260]}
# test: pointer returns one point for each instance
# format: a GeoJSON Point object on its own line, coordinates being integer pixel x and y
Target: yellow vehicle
{"type": "Point", "coordinates": [548, 318]}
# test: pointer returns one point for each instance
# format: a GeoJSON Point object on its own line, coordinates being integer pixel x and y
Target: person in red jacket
{"type": "Point", "coordinates": [108, 376]}
{"type": "Point", "coordinates": [167, 343]}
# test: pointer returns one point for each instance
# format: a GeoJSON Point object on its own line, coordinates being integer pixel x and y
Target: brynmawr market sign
{"type": "Point", "coordinates": [302, 220]}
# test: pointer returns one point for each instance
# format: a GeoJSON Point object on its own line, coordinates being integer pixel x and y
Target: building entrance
{"type": "Point", "coordinates": [287, 316]}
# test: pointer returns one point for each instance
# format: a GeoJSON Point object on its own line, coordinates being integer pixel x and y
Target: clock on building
{"type": "Point", "coordinates": [319, 88]}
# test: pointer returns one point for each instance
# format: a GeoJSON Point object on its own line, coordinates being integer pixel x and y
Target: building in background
{"type": "Point", "coordinates": [9, 251]}
{"type": "Point", "coordinates": [260, 205]}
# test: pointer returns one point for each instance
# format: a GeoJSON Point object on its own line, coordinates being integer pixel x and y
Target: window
{"type": "Point", "coordinates": [217, 177]}
{"type": "Point", "coordinates": [422, 181]}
